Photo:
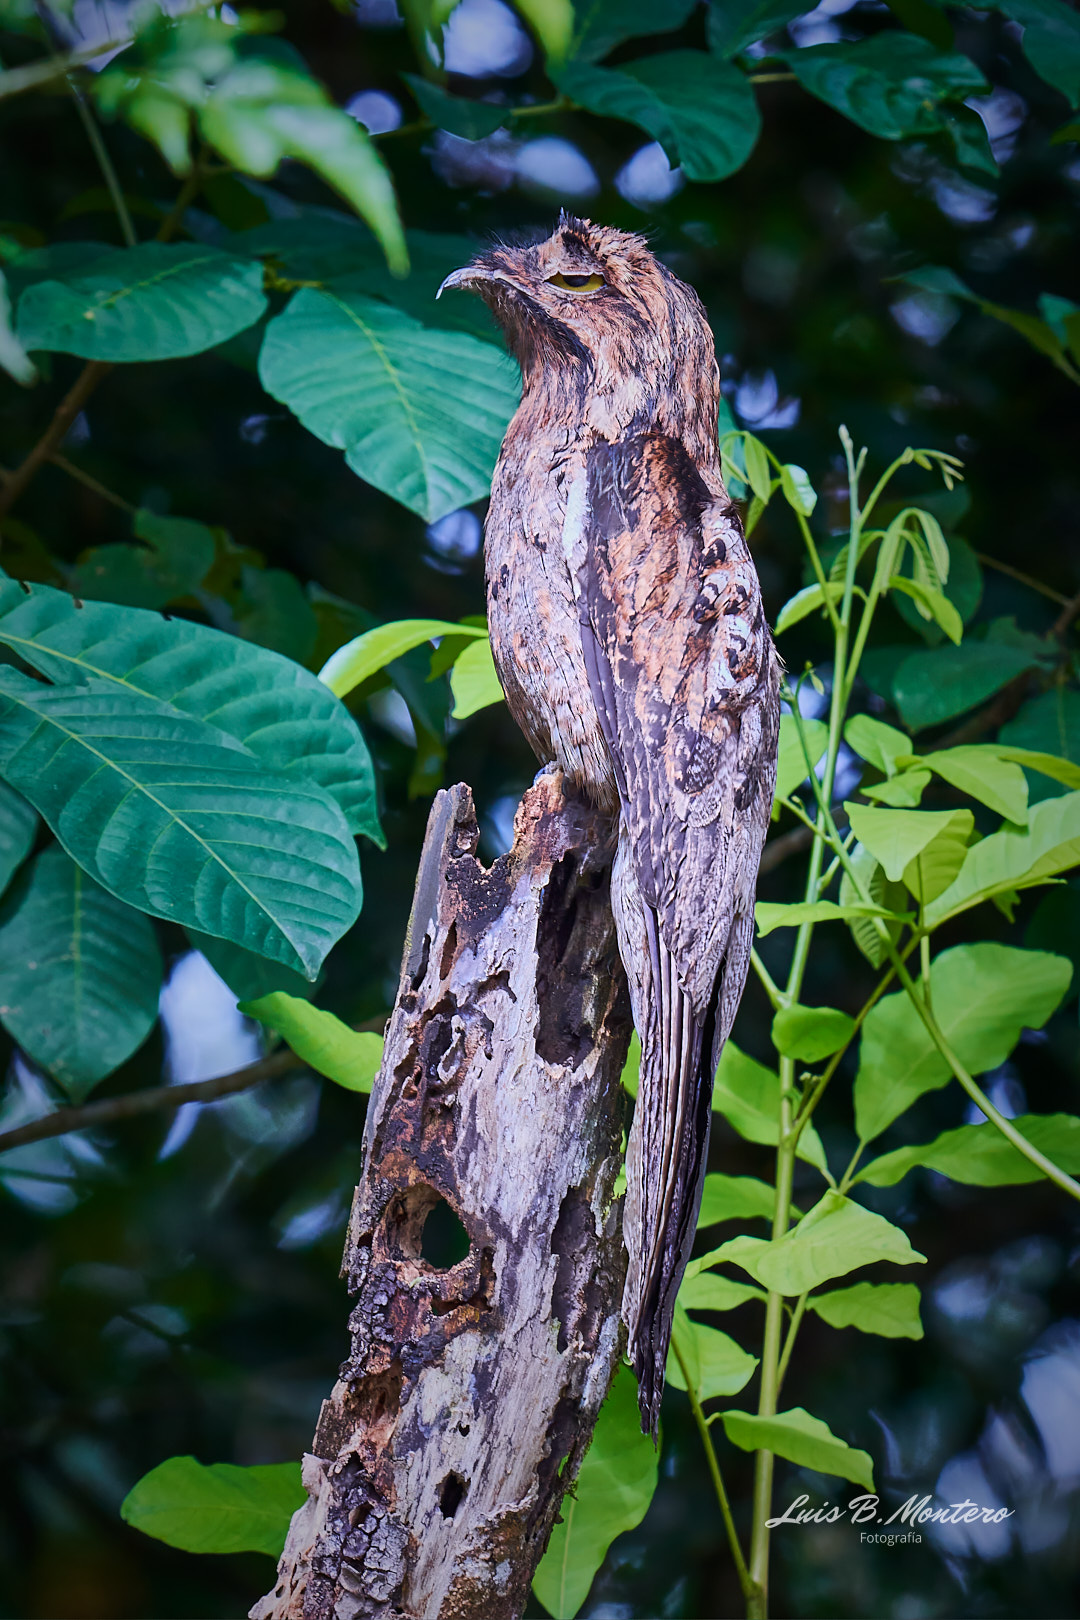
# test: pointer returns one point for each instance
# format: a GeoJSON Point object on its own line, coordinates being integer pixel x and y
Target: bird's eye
{"type": "Point", "coordinates": [577, 283]}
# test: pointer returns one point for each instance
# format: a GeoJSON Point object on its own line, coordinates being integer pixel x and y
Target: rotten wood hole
{"type": "Point", "coordinates": [470, 1391]}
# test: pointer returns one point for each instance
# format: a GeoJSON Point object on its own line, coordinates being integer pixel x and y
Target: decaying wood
{"type": "Point", "coordinates": [470, 1393]}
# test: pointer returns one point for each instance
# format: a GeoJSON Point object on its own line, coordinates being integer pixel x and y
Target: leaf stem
{"type": "Point", "coordinates": [105, 164]}
{"type": "Point", "coordinates": [792, 1333]}
{"type": "Point", "coordinates": [748, 1589]}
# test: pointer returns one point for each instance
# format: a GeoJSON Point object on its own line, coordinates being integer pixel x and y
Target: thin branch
{"type": "Point", "coordinates": [105, 164]}
{"type": "Point", "coordinates": [34, 74]}
{"type": "Point", "coordinates": [749, 1589]}
{"type": "Point", "coordinates": [111, 1109]}
{"type": "Point", "coordinates": [1025, 579]}
{"type": "Point", "coordinates": [91, 483]}
{"type": "Point", "coordinates": [777, 850]}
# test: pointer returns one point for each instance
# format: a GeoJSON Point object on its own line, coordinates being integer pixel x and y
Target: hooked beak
{"type": "Point", "coordinates": [469, 276]}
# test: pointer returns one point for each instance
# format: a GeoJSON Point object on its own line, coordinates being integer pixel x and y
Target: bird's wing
{"type": "Point", "coordinates": [684, 678]}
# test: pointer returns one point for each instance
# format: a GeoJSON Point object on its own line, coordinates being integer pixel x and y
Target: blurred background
{"type": "Point", "coordinates": [171, 1286]}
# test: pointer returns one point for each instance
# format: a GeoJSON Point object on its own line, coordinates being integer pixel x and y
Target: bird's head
{"type": "Point", "coordinates": [593, 305]}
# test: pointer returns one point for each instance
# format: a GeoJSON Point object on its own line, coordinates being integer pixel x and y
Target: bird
{"type": "Point", "coordinates": [629, 636]}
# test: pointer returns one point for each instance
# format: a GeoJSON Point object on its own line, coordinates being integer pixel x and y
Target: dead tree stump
{"type": "Point", "coordinates": [469, 1395]}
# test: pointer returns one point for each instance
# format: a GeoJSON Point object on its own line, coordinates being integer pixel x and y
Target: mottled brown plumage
{"type": "Point", "coordinates": [627, 628]}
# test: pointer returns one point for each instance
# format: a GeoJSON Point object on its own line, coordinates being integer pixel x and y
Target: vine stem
{"type": "Point", "coordinates": [105, 164]}
{"type": "Point", "coordinates": [748, 1589]}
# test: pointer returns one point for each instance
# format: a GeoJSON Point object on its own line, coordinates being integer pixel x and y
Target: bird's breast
{"type": "Point", "coordinates": [534, 533]}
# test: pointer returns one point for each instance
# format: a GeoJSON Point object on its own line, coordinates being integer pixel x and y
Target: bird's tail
{"type": "Point", "coordinates": [665, 1169]}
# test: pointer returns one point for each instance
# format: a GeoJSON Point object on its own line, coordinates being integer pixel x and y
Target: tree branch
{"type": "Point", "coordinates": [111, 1109]}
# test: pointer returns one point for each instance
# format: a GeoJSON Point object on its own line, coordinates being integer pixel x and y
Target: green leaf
{"type": "Point", "coordinates": [770, 914]}
{"type": "Point", "coordinates": [274, 611]}
{"type": "Point", "coordinates": [801, 1439]}
{"type": "Point", "coordinates": [80, 973]}
{"type": "Point", "coordinates": [798, 491]}
{"type": "Point", "coordinates": [935, 867]}
{"type": "Point", "coordinates": [716, 1364]}
{"type": "Point", "coordinates": [810, 1033]}
{"type": "Point", "coordinates": [1014, 858]}
{"type": "Point", "coordinates": [13, 357]}
{"type": "Point", "coordinates": [732, 25]}
{"type": "Point", "coordinates": [700, 108]}
{"type": "Point", "coordinates": [280, 712]}
{"type": "Point", "coordinates": [896, 837]}
{"type": "Point", "coordinates": [931, 604]}
{"type": "Point", "coordinates": [942, 682]}
{"type": "Point", "coordinates": [263, 111]}
{"type": "Point", "coordinates": [805, 602]}
{"type": "Point", "coordinates": [178, 819]}
{"type": "Point", "coordinates": [1051, 42]}
{"type": "Point", "coordinates": [249, 976]}
{"type": "Point", "coordinates": [473, 680]}
{"type": "Point", "coordinates": [837, 1236]}
{"type": "Point", "coordinates": [18, 829]}
{"type": "Point", "coordinates": [603, 24]}
{"type": "Point", "coordinates": [707, 1291]}
{"type": "Point", "coordinates": [748, 1095]}
{"type": "Point", "coordinates": [419, 413]}
{"type": "Point", "coordinates": [216, 1509]}
{"type": "Point", "coordinates": [891, 85]}
{"type": "Point", "coordinates": [891, 897]}
{"type": "Point", "coordinates": [365, 655]}
{"type": "Point", "coordinates": [888, 1309]}
{"type": "Point", "coordinates": [729, 1198]}
{"type": "Point", "coordinates": [611, 1495]}
{"type": "Point", "coordinates": [552, 21]}
{"type": "Point", "coordinates": [632, 1067]}
{"type": "Point", "coordinates": [979, 1156]}
{"type": "Point", "coordinates": [880, 745]}
{"type": "Point", "coordinates": [982, 772]}
{"type": "Point", "coordinates": [902, 792]}
{"type": "Point", "coordinates": [347, 1056]}
{"type": "Point", "coordinates": [970, 141]}
{"type": "Point", "coordinates": [791, 759]}
{"type": "Point", "coordinates": [982, 997]}
{"type": "Point", "coordinates": [177, 556]}
{"type": "Point", "coordinates": [470, 120]}
{"type": "Point", "coordinates": [154, 302]}
{"type": "Point", "coordinates": [1047, 725]}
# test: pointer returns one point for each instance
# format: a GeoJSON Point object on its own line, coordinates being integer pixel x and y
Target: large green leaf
{"type": "Point", "coordinates": [801, 1439]}
{"type": "Point", "coordinates": [923, 848]}
{"type": "Point", "coordinates": [154, 302]}
{"type": "Point", "coordinates": [728, 1198]}
{"type": "Point", "coordinates": [932, 686]}
{"type": "Point", "coordinates": [348, 1056]}
{"type": "Point", "coordinates": [176, 558]}
{"type": "Point", "coordinates": [980, 1156]}
{"type": "Point", "coordinates": [419, 413]}
{"type": "Point", "coordinates": [1051, 41]}
{"type": "Point", "coordinates": [611, 1495]}
{"type": "Point", "coordinates": [981, 772]}
{"type": "Point", "coordinates": [602, 24]}
{"type": "Point", "coordinates": [474, 680]}
{"type": "Point", "coordinates": [18, 825]}
{"type": "Point", "coordinates": [1015, 858]}
{"type": "Point", "coordinates": [811, 1033]}
{"type": "Point", "coordinates": [716, 1364]}
{"type": "Point", "coordinates": [982, 997]}
{"type": "Point", "coordinates": [701, 109]}
{"type": "Point", "coordinates": [1048, 724]}
{"type": "Point", "coordinates": [708, 1291]}
{"type": "Point", "coordinates": [835, 1237]}
{"type": "Point", "coordinates": [772, 914]}
{"type": "Point", "coordinates": [748, 1095]}
{"type": "Point", "coordinates": [891, 84]}
{"type": "Point", "coordinates": [180, 820]}
{"type": "Point", "coordinates": [354, 663]}
{"type": "Point", "coordinates": [734, 24]}
{"type": "Point", "coordinates": [282, 713]}
{"type": "Point", "coordinates": [80, 973]}
{"type": "Point", "coordinates": [216, 1509]}
{"type": "Point", "coordinates": [889, 1309]}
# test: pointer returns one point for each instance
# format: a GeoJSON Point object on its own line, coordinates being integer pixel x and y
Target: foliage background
{"type": "Point", "coordinates": [186, 1300]}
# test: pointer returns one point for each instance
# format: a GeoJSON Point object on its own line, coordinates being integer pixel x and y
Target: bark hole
{"type": "Point", "coordinates": [444, 1241]}
{"type": "Point", "coordinates": [452, 1494]}
{"type": "Point", "coordinates": [565, 946]}
{"type": "Point", "coordinates": [573, 1236]}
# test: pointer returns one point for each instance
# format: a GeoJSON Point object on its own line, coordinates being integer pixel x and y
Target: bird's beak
{"type": "Point", "coordinates": [469, 276]}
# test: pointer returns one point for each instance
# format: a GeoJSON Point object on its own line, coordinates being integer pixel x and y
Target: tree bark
{"type": "Point", "coordinates": [470, 1393]}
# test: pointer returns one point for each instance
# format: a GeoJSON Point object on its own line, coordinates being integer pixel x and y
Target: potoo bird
{"type": "Point", "coordinates": [627, 629]}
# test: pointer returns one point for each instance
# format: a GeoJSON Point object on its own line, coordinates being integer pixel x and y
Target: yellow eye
{"type": "Point", "coordinates": [577, 283]}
